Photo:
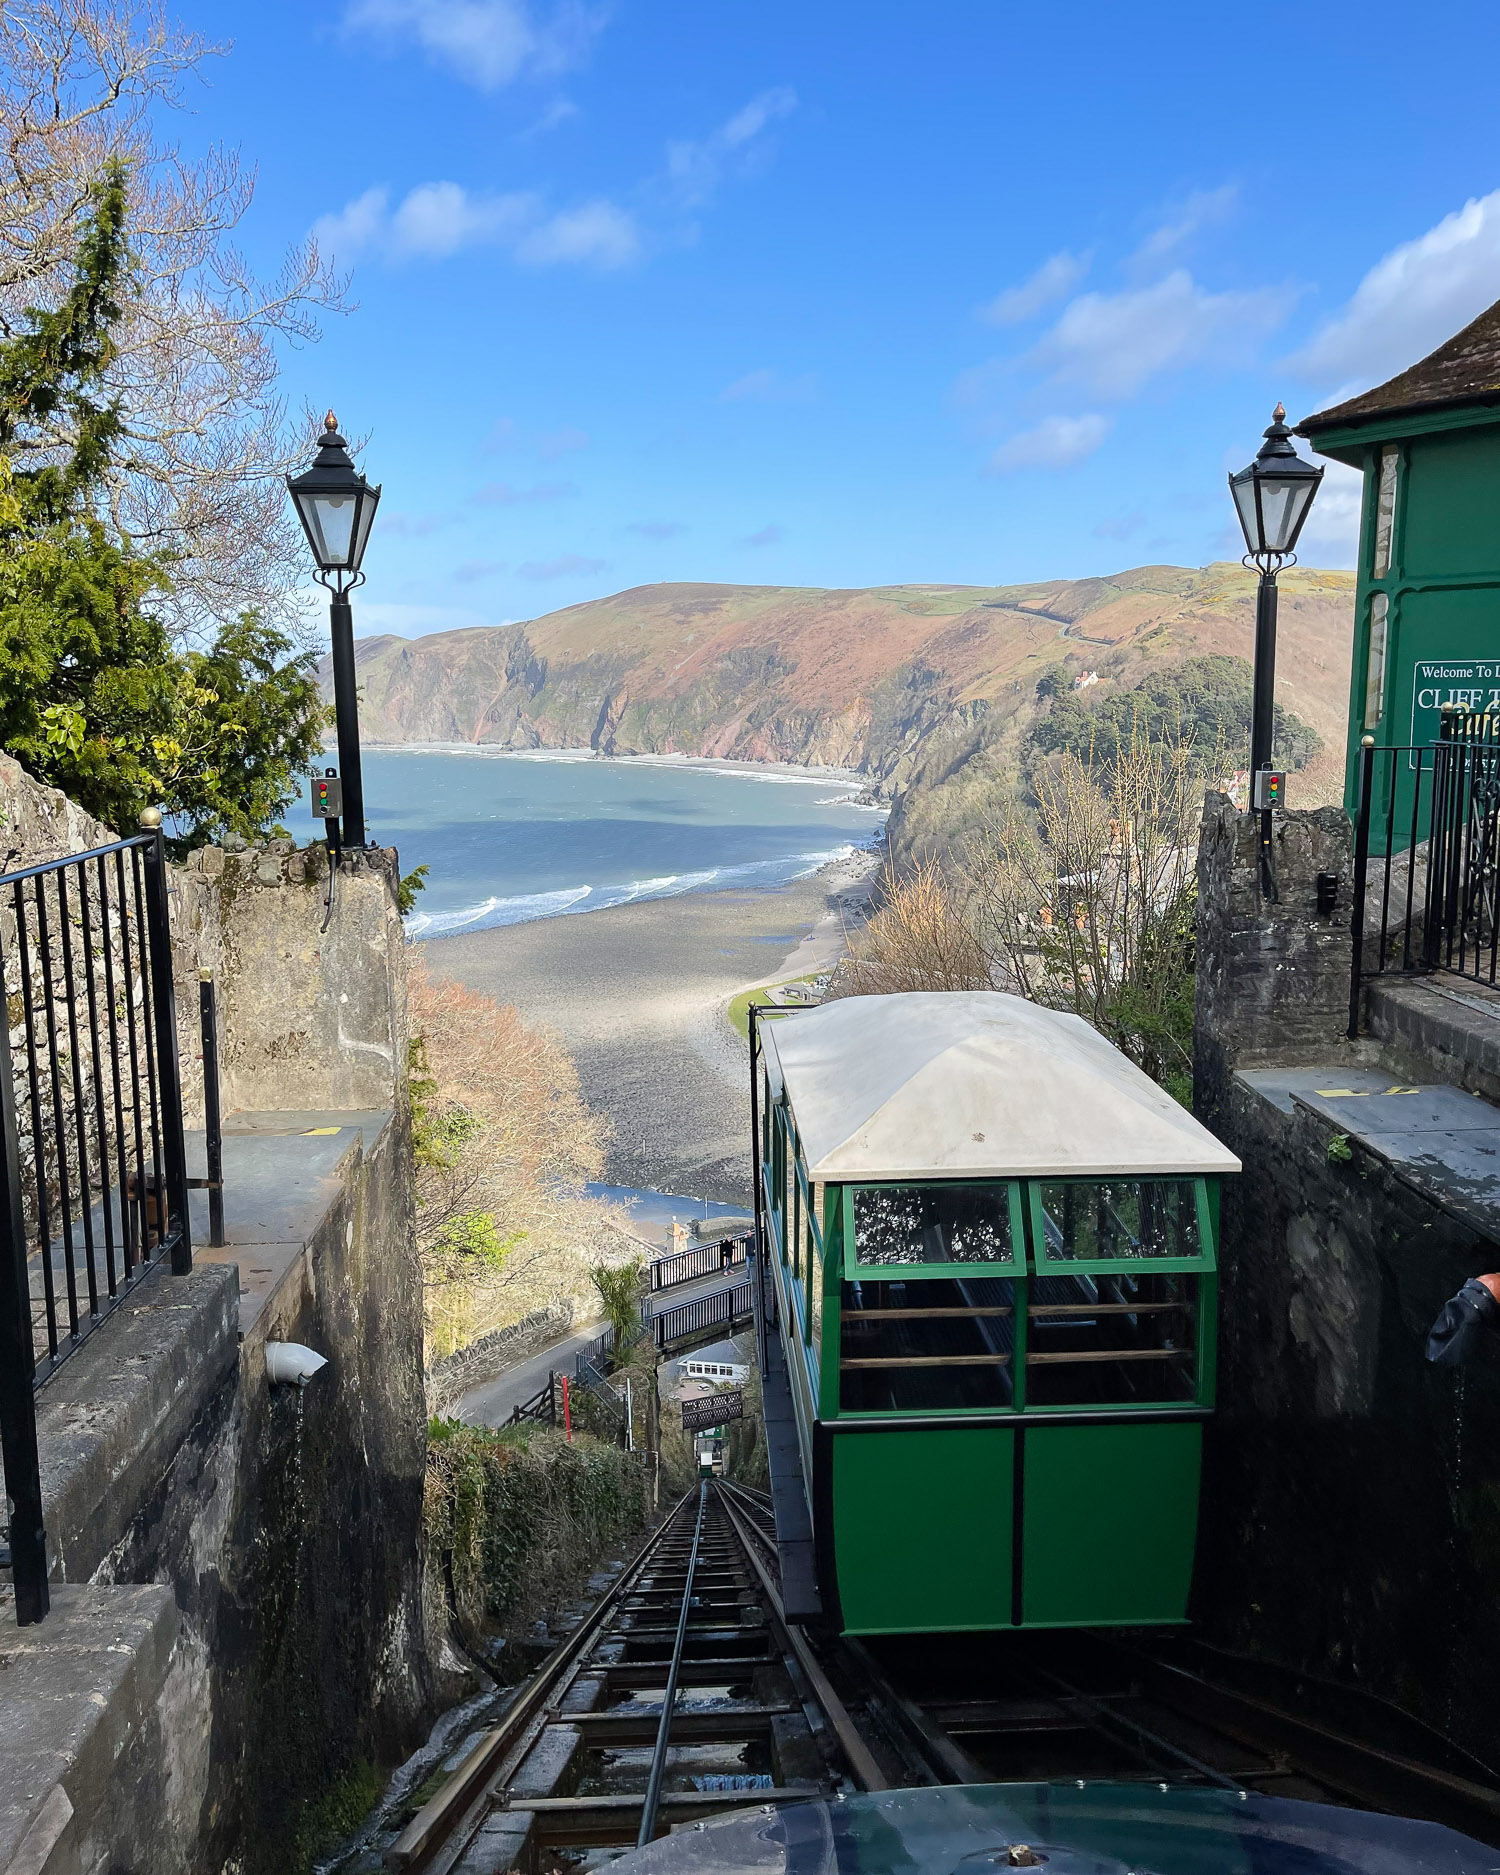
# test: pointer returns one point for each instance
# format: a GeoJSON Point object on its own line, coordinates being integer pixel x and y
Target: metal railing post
{"type": "Point", "coordinates": [1361, 867]}
{"type": "Point", "coordinates": [213, 1130]}
{"type": "Point", "coordinates": [23, 1475]}
{"type": "Point", "coordinates": [169, 1073]}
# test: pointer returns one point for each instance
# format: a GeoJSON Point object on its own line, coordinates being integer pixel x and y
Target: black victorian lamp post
{"type": "Point", "coordinates": [336, 505]}
{"type": "Point", "coordinates": [1272, 497]}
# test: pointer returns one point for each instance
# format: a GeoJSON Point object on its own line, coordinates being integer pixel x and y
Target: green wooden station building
{"type": "Point", "coordinates": [1427, 607]}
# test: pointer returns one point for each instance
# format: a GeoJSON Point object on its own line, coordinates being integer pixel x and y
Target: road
{"type": "Point", "coordinates": [493, 1403]}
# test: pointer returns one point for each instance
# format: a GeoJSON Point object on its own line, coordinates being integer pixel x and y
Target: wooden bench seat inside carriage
{"type": "Point", "coordinates": [990, 1261]}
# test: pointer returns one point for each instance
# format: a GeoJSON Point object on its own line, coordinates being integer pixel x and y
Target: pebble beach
{"type": "Point", "coordinates": [640, 994]}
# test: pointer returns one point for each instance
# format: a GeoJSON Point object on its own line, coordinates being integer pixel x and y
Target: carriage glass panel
{"type": "Point", "coordinates": [813, 1264]}
{"type": "Point", "coordinates": [1113, 1312]}
{"type": "Point", "coordinates": [935, 1224]}
{"type": "Point", "coordinates": [928, 1310]}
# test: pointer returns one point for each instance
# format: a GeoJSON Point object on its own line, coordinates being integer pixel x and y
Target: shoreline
{"type": "Point", "coordinates": [639, 993]}
{"type": "Point", "coordinates": [792, 771]}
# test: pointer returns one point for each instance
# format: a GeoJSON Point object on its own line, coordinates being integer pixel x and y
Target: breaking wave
{"type": "Point", "coordinates": [491, 913]}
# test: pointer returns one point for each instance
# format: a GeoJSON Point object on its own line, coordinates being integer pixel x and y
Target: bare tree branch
{"type": "Point", "coordinates": [208, 436]}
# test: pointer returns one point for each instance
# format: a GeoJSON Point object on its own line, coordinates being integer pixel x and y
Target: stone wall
{"type": "Point", "coordinates": [1351, 1495]}
{"type": "Point", "coordinates": [288, 1522]}
{"type": "Point", "coordinates": [1273, 977]}
{"type": "Point", "coordinates": [1351, 1514]}
{"type": "Point", "coordinates": [287, 1525]}
{"type": "Point", "coordinates": [309, 1016]}
{"type": "Point", "coordinates": [491, 1354]}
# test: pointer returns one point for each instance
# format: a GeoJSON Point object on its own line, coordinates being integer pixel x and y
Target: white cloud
{"type": "Point", "coordinates": [487, 43]}
{"type": "Point", "coordinates": [694, 168]}
{"type": "Point", "coordinates": [1054, 443]}
{"type": "Point", "coordinates": [597, 235]}
{"type": "Point", "coordinates": [560, 111]}
{"type": "Point", "coordinates": [1204, 208]}
{"type": "Point", "coordinates": [502, 495]}
{"type": "Point", "coordinates": [1113, 342]}
{"type": "Point", "coordinates": [1054, 278]}
{"type": "Point", "coordinates": [765, 537]}
{"type": "Point", "coordinates": [561, 443]}
{"type": "Point", "coordinates": [656, 530]}
{"type": "Point", "coordinates": [1419, 294]}
{"type": "Point", "coordinates": [411, 621]}
{"type": "Point", "coordinates": [1331, 533]}
{"type": "Point", "coordinates": [436, 220]}
{"type": "Point", "coordinates": [560, 568]}
{"type": "Point", "coordinates": [354, 228]}
{"type": "Point", "coordinates": [770, 387]}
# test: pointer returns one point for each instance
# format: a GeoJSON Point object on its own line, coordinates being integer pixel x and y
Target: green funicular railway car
{"type": "Point", "coordinates": [988, 1303]}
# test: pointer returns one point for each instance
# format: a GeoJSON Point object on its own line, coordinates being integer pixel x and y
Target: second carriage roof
{"type": "Point", "coordinates": [974, 1084]}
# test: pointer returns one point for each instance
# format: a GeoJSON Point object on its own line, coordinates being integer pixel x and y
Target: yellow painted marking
{"type": "Point", "coordinates": [318, 1132]}
{"type": "Point", "coordinates": [1403, 1090]}
{"type": "Point", "coordinates": [1339, 1093]}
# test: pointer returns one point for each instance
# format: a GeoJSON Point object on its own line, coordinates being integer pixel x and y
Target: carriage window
{"type": "Point", "coordinates": [933, 1224]}
{"type": "Point", "coordinates": [916, 1346]}
{"type": "Point", "coordinates": [1126, 1337]}
{"type": "Point", "coordinates": [1085, 1220]}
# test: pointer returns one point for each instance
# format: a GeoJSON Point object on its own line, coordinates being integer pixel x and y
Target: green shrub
{"type": "Point", "coordinates": [518, 1514]}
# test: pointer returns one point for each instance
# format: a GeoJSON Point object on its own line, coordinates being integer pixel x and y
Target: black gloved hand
{"type": "Point", "coordinates": [1462, 1329]}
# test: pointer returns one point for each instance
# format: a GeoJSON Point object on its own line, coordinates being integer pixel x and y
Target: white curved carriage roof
{"type": "Point", "coordinates": [974, 1084]}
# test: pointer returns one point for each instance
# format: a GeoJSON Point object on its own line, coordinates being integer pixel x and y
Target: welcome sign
{"type": "Point", "coordinates": [1471, 683]}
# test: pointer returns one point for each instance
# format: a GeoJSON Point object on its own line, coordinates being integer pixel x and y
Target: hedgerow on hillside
{"type": "Point", "coordinates": [520, 1516]}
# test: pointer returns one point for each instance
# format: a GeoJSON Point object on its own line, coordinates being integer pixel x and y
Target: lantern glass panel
{"type": "Point", "coordinates": [1242, 487]}
{"type": "Point", "coordinates": [362, 527]}
{"type": "Point", "coordinates": [329, 520]}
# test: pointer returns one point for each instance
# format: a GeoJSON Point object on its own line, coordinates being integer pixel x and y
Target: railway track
{"type": "Point", "coordinates": [685, 1693]}
{"type": "Point", "coordinates": [1058, 1704]}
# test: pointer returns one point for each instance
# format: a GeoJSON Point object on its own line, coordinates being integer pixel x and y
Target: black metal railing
{"type": "Point", "coordinates": [725, 1307]}
{"type": "Point", "coordinates": [1427, 840]}
{"type": "Point", "coordinates": [540, 1409]}
{"type": "Point", "coordinates": [93, 1156]}
{"type": "Point", "coordinates": [703, 1260]}
{"type": "Point", "coordinates": [597, 1357]}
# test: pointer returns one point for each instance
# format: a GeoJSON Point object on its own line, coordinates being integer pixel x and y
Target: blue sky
{"type": "Point", "coordinates": [837, 295]}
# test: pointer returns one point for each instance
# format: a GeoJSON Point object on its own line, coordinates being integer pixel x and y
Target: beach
{"type": "Point", "coordinates": [640, 995]}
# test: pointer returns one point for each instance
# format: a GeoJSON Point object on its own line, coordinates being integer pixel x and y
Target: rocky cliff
{"type": "Point", "coordinates": [860, 678]}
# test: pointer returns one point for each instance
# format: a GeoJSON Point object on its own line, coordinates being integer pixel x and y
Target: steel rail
{"type": "Point", "coordinates": [1107, 1719]}
{"type": "Point", "coordinates": [652, 1801]}
{"type": "Point", "coordinates": [867, 1773]}
{"type": "Point", "coordinates": [502, 1748]}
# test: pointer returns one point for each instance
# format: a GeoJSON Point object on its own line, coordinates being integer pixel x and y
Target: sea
{"type": "Point", "coordinates": [512, 835]}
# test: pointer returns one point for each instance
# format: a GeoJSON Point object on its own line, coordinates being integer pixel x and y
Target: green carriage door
{"type": "Point", "coordinates": [1119, 1323]}
{"type": "Point", "coordinates": [924, 1517]}
{"type": "Point", "coordinates": [922, 1524]}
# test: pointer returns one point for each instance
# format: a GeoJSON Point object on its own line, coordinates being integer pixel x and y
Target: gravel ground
{"type": "Point", "coordinates": [640, 995]}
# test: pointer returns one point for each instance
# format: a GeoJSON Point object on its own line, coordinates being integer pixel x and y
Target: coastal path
{"type": "Point", "coordinates": [493, 1403]}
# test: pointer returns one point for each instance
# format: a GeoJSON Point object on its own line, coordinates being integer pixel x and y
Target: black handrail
{"type": "Point", "coordinates": [1429, 813]}
{"type": "Point", "coordinates": [93, 1167]}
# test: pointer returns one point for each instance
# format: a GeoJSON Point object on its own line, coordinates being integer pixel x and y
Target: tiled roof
{"type": "Point", "coordinates": [1465, 369]}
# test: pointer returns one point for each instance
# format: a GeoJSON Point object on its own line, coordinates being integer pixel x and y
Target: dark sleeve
{"type": "Point", "coordinates": [1466, 1323]}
